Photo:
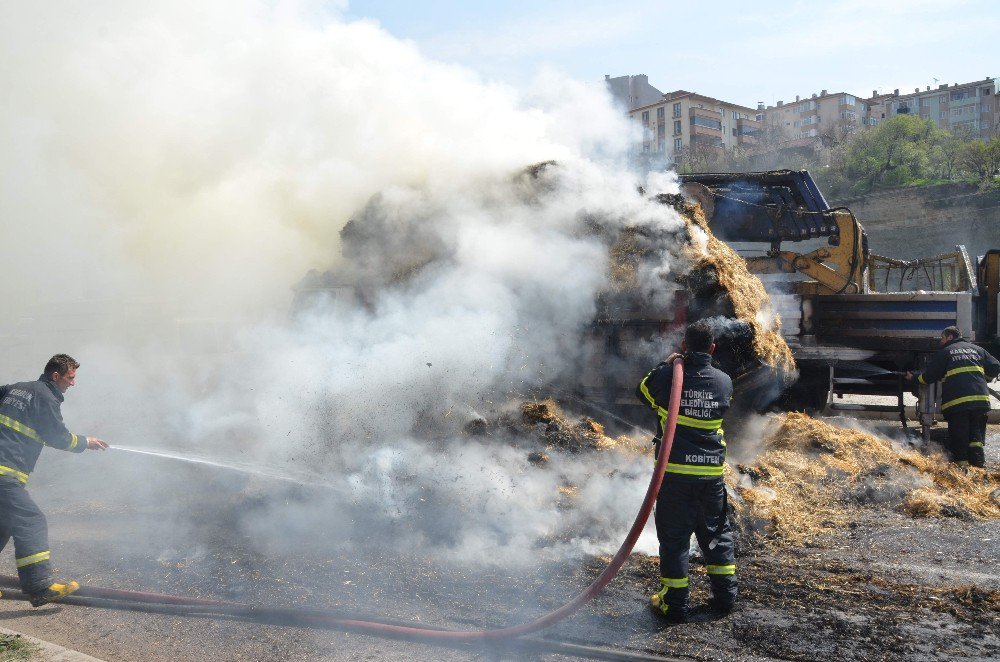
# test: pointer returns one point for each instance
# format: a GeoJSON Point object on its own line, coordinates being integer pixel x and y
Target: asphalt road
{"type": "Point", "coordinates": [885, 589]}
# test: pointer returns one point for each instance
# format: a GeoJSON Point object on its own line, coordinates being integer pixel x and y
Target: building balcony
{"type": "Point", "coordinates": [704, 112]}
{"type": "Point", "coordinates": [714, 140]}
{"type": "Point", "coordinates": [744, 124]}
{"type": "Point", "coordinates": [706, 132]}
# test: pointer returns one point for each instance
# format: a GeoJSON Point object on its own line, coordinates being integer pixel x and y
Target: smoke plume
{"type": "Point", "coordinates": [172, 170]}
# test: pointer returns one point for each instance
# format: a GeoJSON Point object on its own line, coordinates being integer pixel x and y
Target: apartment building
{"type": "Point", "coordinates": [632, 91]}
{"type": "Point", "coordinates": [806, 121]}
{"type": "Point", "coordinates": [683, 119]}
{"type": "Point", "coordinates": [969, 109]}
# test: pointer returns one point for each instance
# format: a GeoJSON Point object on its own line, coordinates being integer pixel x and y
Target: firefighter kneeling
{"type": "Point", "coordinates": [692, 498]}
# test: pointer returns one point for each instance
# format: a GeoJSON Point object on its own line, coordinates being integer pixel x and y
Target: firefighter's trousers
{"type": "Point", "coordinates": [699, 506]}
{"type": "Point", "coordinates": [967, 436]}
{"type": "Point", "coordinates": [21, 520]}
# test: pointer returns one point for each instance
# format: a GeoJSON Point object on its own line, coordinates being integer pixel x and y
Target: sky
{"type": "Point", "coordinates": [737, 51]}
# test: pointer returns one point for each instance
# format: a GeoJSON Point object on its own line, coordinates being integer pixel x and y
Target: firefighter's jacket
{"type": "Point", "coordinates": [699, 447]}
{"type": "Point", "coordinates": [30, 417]}
{"type": "Point", "coordinates": [963, 370]}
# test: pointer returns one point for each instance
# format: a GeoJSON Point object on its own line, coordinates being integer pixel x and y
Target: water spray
{"type": "Point", "coordinates": [254, 470]}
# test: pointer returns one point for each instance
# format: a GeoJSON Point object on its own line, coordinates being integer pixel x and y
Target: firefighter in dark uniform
{"type": "Point", "coordinates": [963, 370]}
{"type": "Point", "coordinates": [30, 418]}
{"type": "Point", "coordinates": [692, 498]}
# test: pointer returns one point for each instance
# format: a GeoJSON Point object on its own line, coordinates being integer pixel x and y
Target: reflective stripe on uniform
{"type": "Point", "coordinates": [714, 424]}
{"type": "Point", "coordinates": [645, 392]}
{"type": "Point", "coordinates": [72, 443]}
{"type": "Point", "coordinates": [7, 471]}
{"type": "Point", "coordinates": [721, 569]}
{"type": "Point", "coordinates": [920, 378]}
{"type": "Point", "coordinates": [978, 444]}
{"type": "Point", "coordinates": [18, 426]}
{"type": "Point", "coordinates": [674, 582]}
{"type": "Point", "coordinates": [968, 398]}
{"type": "Point", "coordinates": [694, 469]}
{"type": "Point", "coordinates": [34, 558]}
{"type": "Point", "coordinates": [957, 371]}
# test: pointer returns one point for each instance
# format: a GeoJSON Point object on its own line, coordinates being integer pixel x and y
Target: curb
{"type": "Point", "coordinates": [49, 652]}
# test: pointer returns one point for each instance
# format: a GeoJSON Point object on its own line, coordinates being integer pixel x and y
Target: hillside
{"type": "Point", "coordinates": [923, 221]}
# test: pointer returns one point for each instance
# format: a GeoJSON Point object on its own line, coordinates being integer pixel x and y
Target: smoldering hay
{"type": "Point", "coordinates": [814, 479]}
{"type": "Point", "coordinates": [172, 169]}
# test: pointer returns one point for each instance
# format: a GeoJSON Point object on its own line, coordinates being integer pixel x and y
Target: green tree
{"type": "Point", "coordinates": [894, 153]}
{"type": "Point", "coordinates": [981, 159]}
{"type": "Point", "coordinates": [945, 155]}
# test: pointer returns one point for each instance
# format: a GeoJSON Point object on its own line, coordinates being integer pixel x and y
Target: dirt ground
{"type": "Point", "coordinates": [888, 587]}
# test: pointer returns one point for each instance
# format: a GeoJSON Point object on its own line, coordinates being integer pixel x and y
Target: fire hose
{"type": "Point", "coordinates": [104, 597]}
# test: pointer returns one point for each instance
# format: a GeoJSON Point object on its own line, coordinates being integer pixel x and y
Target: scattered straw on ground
{"type": "Point", "coordinates": [813, 477]}
{"type": "Point", "coordinates": [584, 434]}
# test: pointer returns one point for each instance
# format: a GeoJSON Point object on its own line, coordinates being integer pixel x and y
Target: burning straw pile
{"type": "Point", "coordinates": [547, 427]}
{"type": "Point", "coordinates": [813, 477]}
{"type": "Point", "coordinates": [718, 284]}
{"type": "Point", "coordinates": [744, 291]}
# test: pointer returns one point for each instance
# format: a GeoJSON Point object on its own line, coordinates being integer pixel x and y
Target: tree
{"type": "Point", "coordinates": [945, 154]}
{"type": "Point", "coordinates": [981, 159]}
{"type": "Point", "coordinates": [701, 156]}
{"type": "Point", "coordinates": [893, 153]}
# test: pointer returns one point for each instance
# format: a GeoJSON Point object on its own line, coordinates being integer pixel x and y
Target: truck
{"type": "Point", "coordinates": [855, 320]}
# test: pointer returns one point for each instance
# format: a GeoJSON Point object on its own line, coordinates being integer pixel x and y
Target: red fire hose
{"type": "Point", "coordinates": [330, 619]}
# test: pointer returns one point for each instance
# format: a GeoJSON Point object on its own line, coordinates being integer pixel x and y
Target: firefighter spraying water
{"type": "Point", "coordinates": [692, 498]}
{"type": "Point", "coordinates": [30, 418]}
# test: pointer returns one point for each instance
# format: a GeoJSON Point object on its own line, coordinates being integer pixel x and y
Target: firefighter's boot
{"type": "Point", "coordinates": [52, 593]}
{"type": "Point", "coordinates": [671, 609]}
{"type": "Point", "coordinates": [977, 454]}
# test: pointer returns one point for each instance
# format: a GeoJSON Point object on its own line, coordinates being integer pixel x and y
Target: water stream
{"type": "Point", "coordinates": [309, 479]}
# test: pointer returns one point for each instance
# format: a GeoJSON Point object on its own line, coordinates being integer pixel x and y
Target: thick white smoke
{"type": "Point", "coordinates": [171, 169]}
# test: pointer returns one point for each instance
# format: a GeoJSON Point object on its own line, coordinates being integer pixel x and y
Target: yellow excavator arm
{"type": "Point", "coordinates": [779, 207]}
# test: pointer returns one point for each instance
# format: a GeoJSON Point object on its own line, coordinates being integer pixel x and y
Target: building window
{"type": "Point", "coordinates": [677, 110]}
{"type": "Point", "coordinates": [849, 100]}
{"type": "Point", "coordinates": [677, 127]}
{"type": "Point", "coordinates": [849, 115]}
{"type": "Point", "coordinates": [645, 117]}
{"type": "Point", "coordinates": [698, 120]}
{"type": "Point", "coordinates": [661, 113]}
{"type": "Point", "coordinates": [760, 117]}
{"type": "Point", "coordinates": [985, 91]}
{"type": "Point", "coordinates": [677, 144]}
{"type": "Point", "coordinates": [734, 133]}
